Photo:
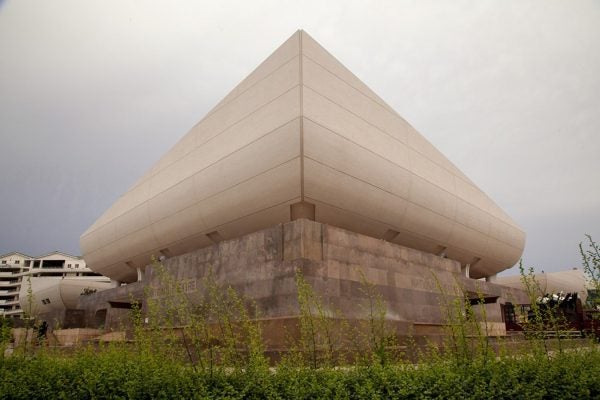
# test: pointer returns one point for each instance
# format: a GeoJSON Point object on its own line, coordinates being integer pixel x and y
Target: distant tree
{"type": "Point", "coordinates": [590, 254]}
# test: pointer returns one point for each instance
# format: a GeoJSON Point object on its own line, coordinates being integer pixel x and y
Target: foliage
{"type": "Point", "coordinates": [328, 339]}
{"type": "Point", "coordinates": [542, 320]}
{"type": "Point", "coordinates": [375, 342]}
{"type": "Point", "coordinates": [319, 340]}
{"type": "Point", "coordinates": [466, 338]}
{"type": "Point", "coordinates": [219, 330]}
{"type": "Point", "coordinates": [118, 372]}
{"type": "Point", "coordinates": [212, 347]}
{"type": "Point", "coordinates": [590, 255]}
{"type": "Point", "coordinates": [5, 334]}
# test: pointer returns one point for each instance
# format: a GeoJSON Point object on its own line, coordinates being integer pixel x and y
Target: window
{"type": "Point", "coordinates": [3, 261]}
{"type": "Point", "coordinates": [17, 261]}
{"type": "Point", "coordinates": [68, 265]}
{"type": "Point", "coordinates": [76, 265]}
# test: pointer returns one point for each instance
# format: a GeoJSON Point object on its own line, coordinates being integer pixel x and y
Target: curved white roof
{"type": "Point", "coordinates": [302, 128]}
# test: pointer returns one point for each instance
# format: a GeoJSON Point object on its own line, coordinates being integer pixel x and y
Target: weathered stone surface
{"type": "Point", "coordinates": [71, 337]}
{"type": "Point", "coordinates": [109, 309]}
{"type": "Point", "coordinates": [342, 267]}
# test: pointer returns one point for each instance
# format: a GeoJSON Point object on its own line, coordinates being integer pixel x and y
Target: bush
{"type": "Point", "coordinates": [219, 353]}
{"type": "Point", "coordinates": [117, 372]}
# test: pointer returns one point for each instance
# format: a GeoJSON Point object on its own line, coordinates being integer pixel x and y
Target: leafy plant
{"type": "Point", "coordinates": [590, 254]}
{"type": "Point", "coordinates": [375, 341]}
{"type": "Point", "coordinates": [208, 344]}
{"type": "Point", "coordinates": [544, 318]}
{"type": "Point", "coordinates": [318, 341]}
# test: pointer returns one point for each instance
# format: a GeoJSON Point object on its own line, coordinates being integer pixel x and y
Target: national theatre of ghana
{"type": "Point", "coordinates": [303, 168]}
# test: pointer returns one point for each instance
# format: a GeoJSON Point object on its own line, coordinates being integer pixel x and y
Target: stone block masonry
{"type": "Point", "coordinates": [337, 263]}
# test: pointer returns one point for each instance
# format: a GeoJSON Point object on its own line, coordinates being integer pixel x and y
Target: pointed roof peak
{"type": "Point", "coordinates": [15, 253]}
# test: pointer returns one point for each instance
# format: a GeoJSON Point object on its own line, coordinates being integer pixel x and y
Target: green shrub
{"type": "Point", "coordinates": [219, 354]}
{"type": "Point", "coordinates": [116, 372]}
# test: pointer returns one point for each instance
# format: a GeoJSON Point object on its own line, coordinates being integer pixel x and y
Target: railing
{"type": "Point", "coordinates": [11, 312]}
{"type": "Point", "coordinates": [13, 271]}
{"type": "Point", "coordinates": [567, 334]}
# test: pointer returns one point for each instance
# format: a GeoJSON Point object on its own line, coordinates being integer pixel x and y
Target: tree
{"type": "Point", "coordinates": [590, 254]}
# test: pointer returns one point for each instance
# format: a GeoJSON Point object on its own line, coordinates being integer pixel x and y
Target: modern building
{"type": "Point", "coordinates": [50, 283]}
{"type": "Point", "coordinates": [303, 167]}
{"type": "Point", "coordinates": [13, 266]}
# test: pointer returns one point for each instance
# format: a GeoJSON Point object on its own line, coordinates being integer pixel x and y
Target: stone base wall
{"type": "Point", "coordinates": [110, 309]}
{"type": "Point", "coordinates": [341, 266]}
{"type": "Point", "coordinates": [72, 337]}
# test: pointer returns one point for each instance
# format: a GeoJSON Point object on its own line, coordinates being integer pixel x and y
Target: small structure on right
{"type": "Point", "coordinates": [567, 281]}
{"type": "Point", "coordinates": [561, 300]}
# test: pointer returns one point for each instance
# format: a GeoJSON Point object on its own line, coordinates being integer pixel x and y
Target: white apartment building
{"type": "Point", "coordinates": [26, 280]}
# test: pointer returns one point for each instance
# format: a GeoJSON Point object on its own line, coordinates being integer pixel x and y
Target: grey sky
{"type": "Point", "coordinates": [92, 93]}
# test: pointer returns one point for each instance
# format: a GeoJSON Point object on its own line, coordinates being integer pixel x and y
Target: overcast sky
{"type": "Point", "coordinates": [92, 93]}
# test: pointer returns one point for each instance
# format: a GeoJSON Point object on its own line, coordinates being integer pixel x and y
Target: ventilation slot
{"type": "Point", "coordinates": [441, 251]}
{"type": "Point", "coordinates": [390, 235]}
{"type": "Point", "coordinates": [475, 261]}
{"type": "Point", "coordinates": [165, 252]}
{"type": "Point", "coordinates": [215, 237]}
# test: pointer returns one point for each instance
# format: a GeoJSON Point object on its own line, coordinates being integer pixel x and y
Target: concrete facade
{"type": "Point", "coordinates": [44, 286]}
{"type": "Point", "coordinates": [302, 136]}
{"type": "Point", "coordinates": [337, 263]}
